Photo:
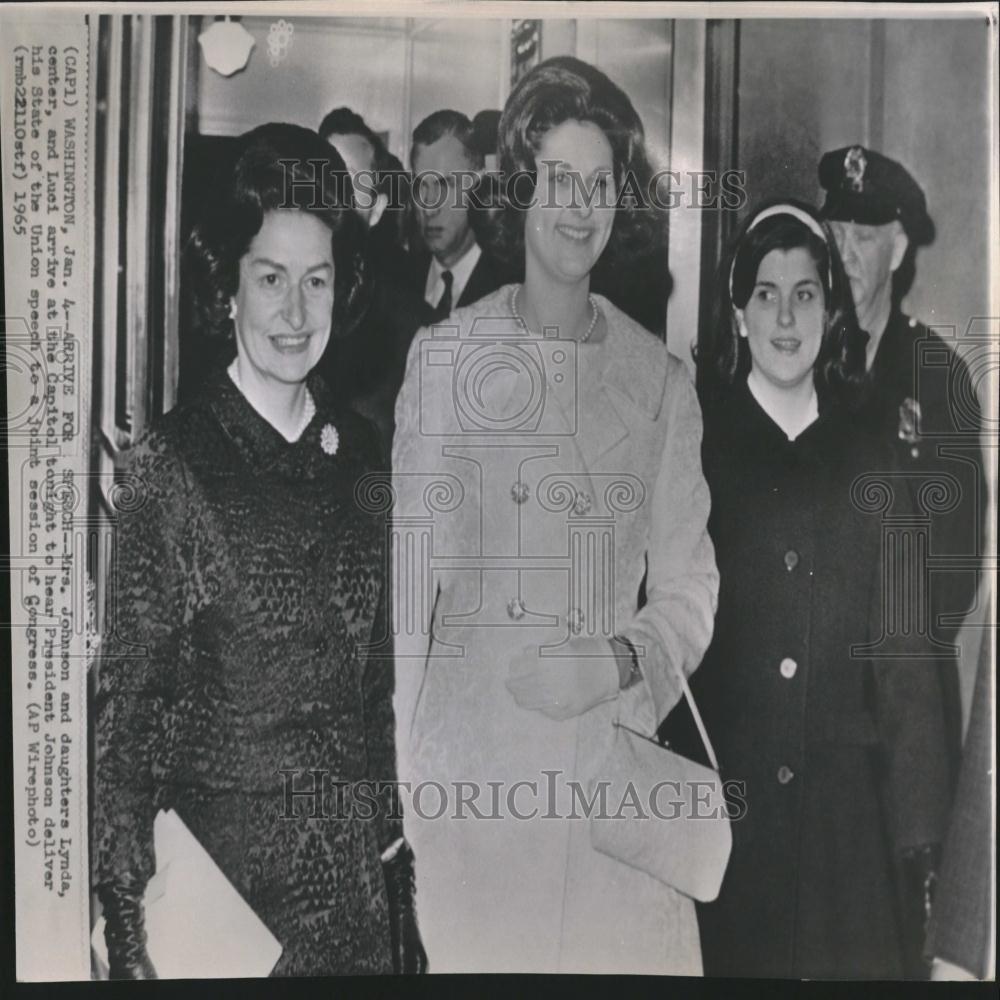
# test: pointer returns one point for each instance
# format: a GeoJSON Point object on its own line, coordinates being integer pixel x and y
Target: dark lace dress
{"type": "Point", "coordinates": [247, 584]}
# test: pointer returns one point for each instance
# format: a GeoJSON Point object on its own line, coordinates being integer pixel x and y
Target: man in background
{"type": "Point", "coordinates": [918, 395]}
{"type": "Point", "coordinates": [366, 368]}
{"type": "Point", "coordinates": [380, 182]}
{"type": "Point", "coordinates": [450, 269]}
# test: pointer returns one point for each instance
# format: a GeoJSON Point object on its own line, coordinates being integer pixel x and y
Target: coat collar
{"type": "Point", "coordinates": [262, 447]}
{"type": "Point", "coordinates": [627, 383]}
{"type": "Point", "coordinates": [755, 437]}
{"type": "Point", "coordinates": [628, 366]}
{"type": "Point", "coordinates": [893, 340]}
{"type": "Point", "coordinates": [629, 387]}
{"type": "Point", "coordinates": [890, 378]}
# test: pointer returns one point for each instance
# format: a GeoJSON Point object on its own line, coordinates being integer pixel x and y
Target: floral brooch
{"type": "Point", "coordinates": [329, 439]}
{"type": "Point", "coordinates": [909, 424]}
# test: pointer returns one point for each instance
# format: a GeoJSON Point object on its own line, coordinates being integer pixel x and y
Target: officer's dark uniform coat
{"type": "Point", "coordinates": [916, 371]}
{"type": "Point", "coordinates": [923, 404]}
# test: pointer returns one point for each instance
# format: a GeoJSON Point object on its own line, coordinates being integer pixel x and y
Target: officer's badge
{"type": "Point", "coordinates": [854, 168]}
{"type": "Point", "coordinates": [909, 421]}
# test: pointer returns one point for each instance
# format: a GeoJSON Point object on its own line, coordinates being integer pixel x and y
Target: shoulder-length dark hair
{"type": "Point", "coordinates": [275, 166]}
{"type": "Point", "coordinates": [722, 356]}
{"type": "Point", "coordinates": [566, 89]}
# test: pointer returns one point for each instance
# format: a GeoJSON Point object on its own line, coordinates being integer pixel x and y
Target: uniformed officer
{"type": "Point", "coordinates": [918, 391]}
{"type": "Point", "coordinates": [878, 214]}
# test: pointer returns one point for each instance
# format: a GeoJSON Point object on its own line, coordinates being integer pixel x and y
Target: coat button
{"type": "Point", "coordinates": [582, 504]}
{"type": "Point", "coordinates": [785, 774]}
{"type": "Point", "coordinates": [576, 620]}
{"type": "Point", "coordinates": [519, 492]}
{"type": "Point", "coordinates": [791, 559]}
{"type": "Point", "coordinates": [515, 609]}
{"type": "Point", "coordinates": [788, 667]}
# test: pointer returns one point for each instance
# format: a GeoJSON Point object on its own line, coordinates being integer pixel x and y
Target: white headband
{"type": "Point", "coordinates": [783, 209]}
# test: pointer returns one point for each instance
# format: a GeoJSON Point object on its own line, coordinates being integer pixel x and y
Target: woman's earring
{"type": "Point", "coordinates": [232, 308]}
{"type": "Point", "coordinates": [741, 323]}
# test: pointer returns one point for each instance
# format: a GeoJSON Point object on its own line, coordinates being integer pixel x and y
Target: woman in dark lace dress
{"type": "Point", "coordinates": [248, 584]}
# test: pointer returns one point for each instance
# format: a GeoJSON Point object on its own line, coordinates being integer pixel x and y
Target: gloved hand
{"type": "Point", "coordinates": [408, 955]}
{"type": "Point", "coordinates": [583, 674]}
{"type": "Point", "coordinates": [125, 931]}
{"type": "Point", "coordinates": [919, 873]}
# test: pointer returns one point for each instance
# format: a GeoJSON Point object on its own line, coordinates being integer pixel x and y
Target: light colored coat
{"type": "Point", "coordinates": [529, 507]}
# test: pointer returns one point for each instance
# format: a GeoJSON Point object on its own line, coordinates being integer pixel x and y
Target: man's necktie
{"type": "Point", "coordinates": [443, 309]}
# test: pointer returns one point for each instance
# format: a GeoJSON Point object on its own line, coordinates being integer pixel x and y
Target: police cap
{"type": "Point", "coordinates": [866, 187]}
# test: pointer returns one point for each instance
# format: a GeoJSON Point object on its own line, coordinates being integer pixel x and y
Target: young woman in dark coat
{"type": "Point", "coordinates": [248, 580]}
{"type": "Point", "coordinates": [816, 687]}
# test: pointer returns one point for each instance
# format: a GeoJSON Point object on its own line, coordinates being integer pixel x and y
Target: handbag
{"type": "Point", "coordinates": [672, 822]}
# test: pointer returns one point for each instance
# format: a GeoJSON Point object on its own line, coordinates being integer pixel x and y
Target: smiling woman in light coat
{"type": "Point", "coordinates": [547, 472]}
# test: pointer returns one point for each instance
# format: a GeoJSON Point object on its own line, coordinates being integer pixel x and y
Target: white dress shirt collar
{"type": "Point", "coordinates": [461, 271]}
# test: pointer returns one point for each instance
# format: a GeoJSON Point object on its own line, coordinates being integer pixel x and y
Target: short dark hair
{"type": "Point", "coordinates": [274, 166]}
{"type": "Point", "coordinates": [486, 130]}
{"type": "Point", "coordinates": [567, 89]}
{"type": "Point", "coordinates": [447, 122]}
{"type": "Point", "coordinates": [391, 179]}
{"type": "Point", "coordinates": [345, 121]}
{"type": "Point", "coordinates": [723, 357]}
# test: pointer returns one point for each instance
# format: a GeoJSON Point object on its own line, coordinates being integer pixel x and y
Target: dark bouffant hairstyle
{"type": "Point", "coordinates": [723, 356]}
{"type": "Point", "coordinates": [275, 166]}
{"type": "Point", "coordinates": [566, 89]}
{"type": "Point", "coordinates": [447, 122]}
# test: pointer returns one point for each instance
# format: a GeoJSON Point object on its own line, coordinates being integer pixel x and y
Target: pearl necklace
{"type": "Point", "coordinates": [590, 298]}
{"type": "Point", "coordinates": [308, 411]}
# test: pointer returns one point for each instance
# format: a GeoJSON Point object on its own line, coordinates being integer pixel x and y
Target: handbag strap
{"type": "Point", "coordinates": [698, 721]}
